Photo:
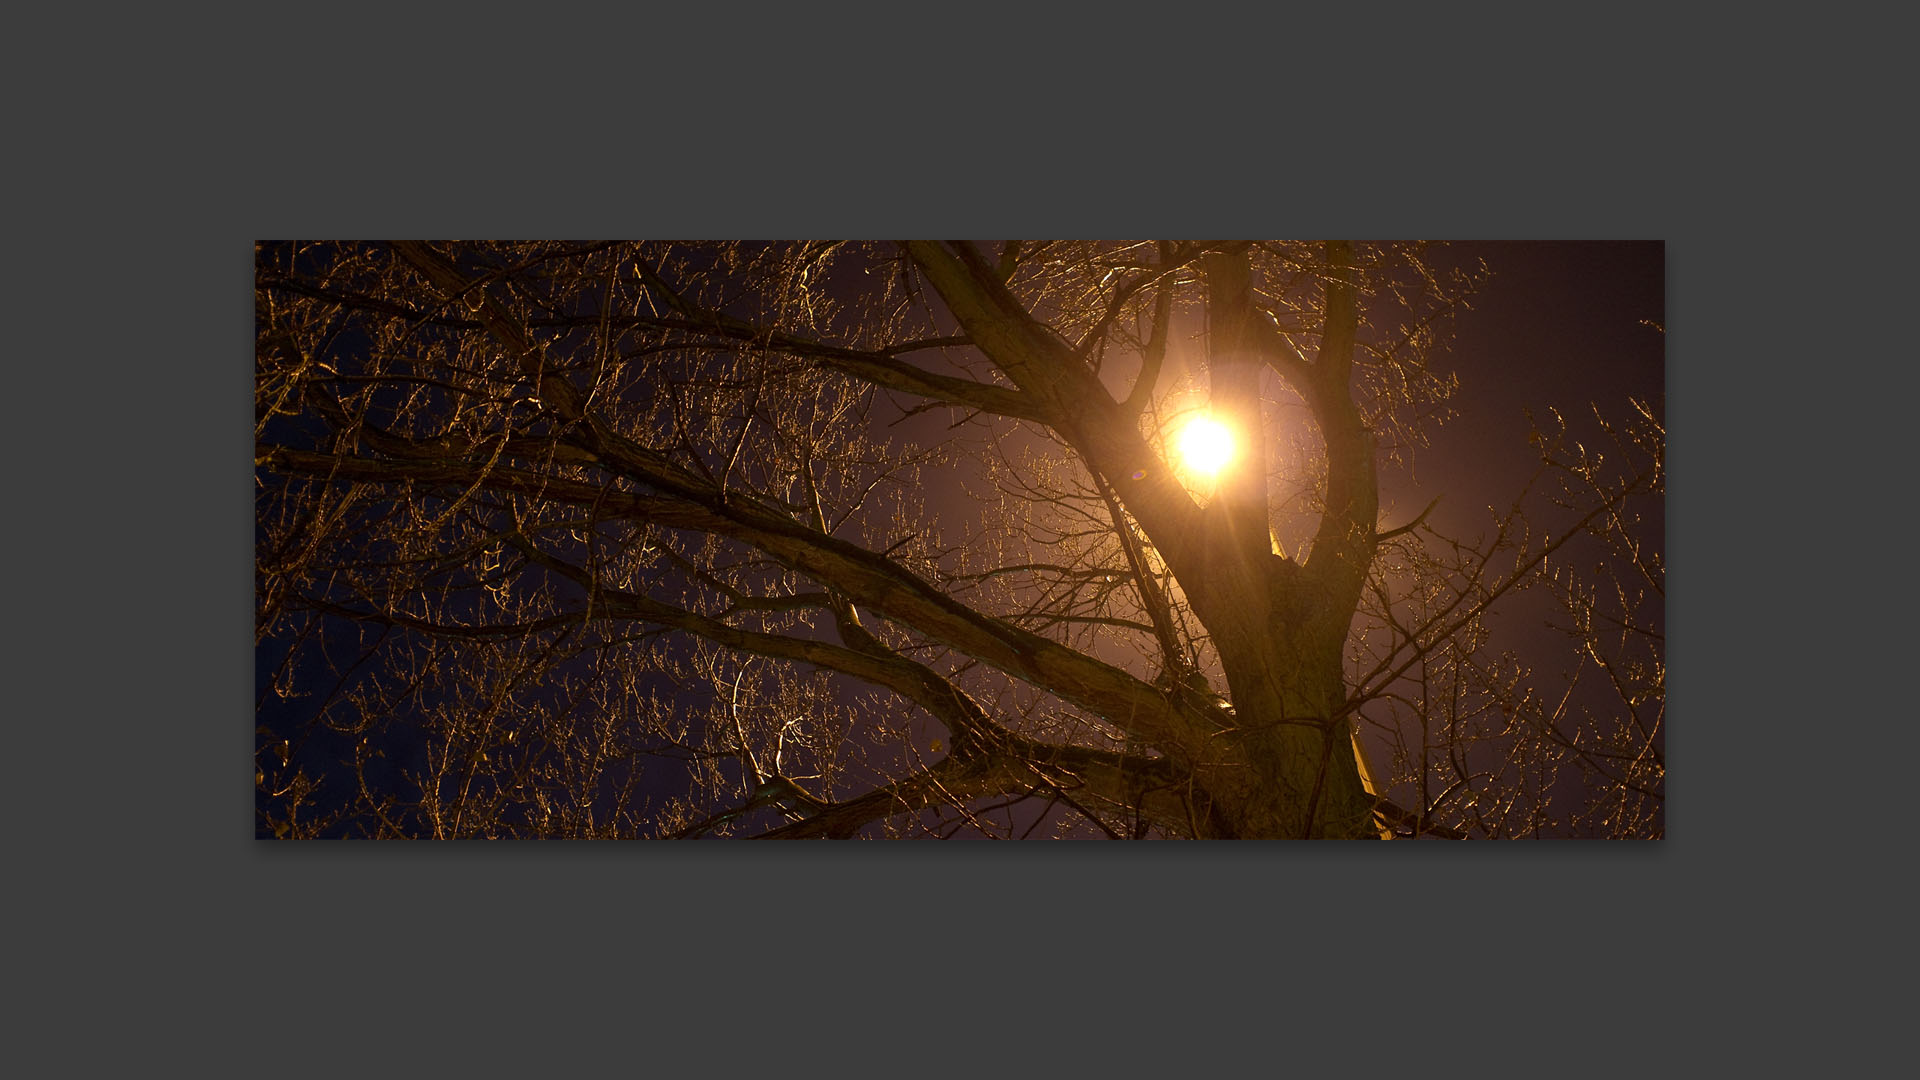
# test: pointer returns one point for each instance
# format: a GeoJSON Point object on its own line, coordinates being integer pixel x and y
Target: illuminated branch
{"type": "Point", "coordinates": [1072, 400]}
{"type": "Point", "coordinates": [1130, 785]}
{"type": "Point", "coordinates": [1233, 374]}
{"type": "Point", "coordinates": [1173, 657]}
{"type": "Point", "coordinates": [1409, 526]}
{"type": "Point", "coordinates": [987, 758]}
{"type": "Point", "coordinates": [877, 367]}
{"type": "Point", "coordinates": [1156, 351]}
{"type": "Point", "coordinates": [866, 578]}
{"type": "Point", "coordinates": [1343, 547]}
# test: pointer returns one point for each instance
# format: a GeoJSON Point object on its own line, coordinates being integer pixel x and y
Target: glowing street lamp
{"type": "Point", "coordinates": [1205, 446]}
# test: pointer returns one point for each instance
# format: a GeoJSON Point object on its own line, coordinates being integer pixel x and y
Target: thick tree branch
{"type": "Point", "coordinates": [1155, 356]}
{"type": "Point", "coordinates": [1409, 526]}
{"type": "Point", "coordinates": [1073, 401]}
{"type": "Point", "coordinates": [1233, 373]}
{"type": "Point", "coordinates": [1128, 785]}
{"type": "Point", "coordinates": [1344, 544]}
{"type": "Point", "coordinates": [878, 367]}
{"type": "Point", "coordinates": [1152, 598]}
{"type": "Point", "coordinates": [866, 578]}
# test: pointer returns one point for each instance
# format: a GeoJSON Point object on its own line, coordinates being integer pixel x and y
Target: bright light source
{"type": "Point", "coordinates": [1205, 445]}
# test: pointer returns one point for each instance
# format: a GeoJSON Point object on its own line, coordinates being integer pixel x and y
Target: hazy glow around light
{"type": "Point", "coordinates": [1205, 445]}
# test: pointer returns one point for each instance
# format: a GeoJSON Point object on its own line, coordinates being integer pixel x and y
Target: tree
{"type": "Point", "coordinates": [834, 539]}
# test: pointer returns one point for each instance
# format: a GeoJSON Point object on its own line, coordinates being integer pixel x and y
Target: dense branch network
{"type": "Point", "coordinates": [818, 539]}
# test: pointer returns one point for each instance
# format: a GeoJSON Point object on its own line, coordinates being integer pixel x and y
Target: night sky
{"type": "Point", "coordinates": [1558, 324]}
{"type": "Point", "coordinates": [1569, 326]}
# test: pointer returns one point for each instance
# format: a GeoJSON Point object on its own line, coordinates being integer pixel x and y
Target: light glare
{"type": "Point", "coordinates": [1205, 445]}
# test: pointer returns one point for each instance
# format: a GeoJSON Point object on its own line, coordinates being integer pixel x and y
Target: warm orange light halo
{"type": "Point", "coordinates": [1206, 445]}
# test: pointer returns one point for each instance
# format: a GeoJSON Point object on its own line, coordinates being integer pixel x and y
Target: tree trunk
{"type": "Point", "coordinates": [1280, 628]}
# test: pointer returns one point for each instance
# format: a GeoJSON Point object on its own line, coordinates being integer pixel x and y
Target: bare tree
{"type": "Point", "coordinates": [837, 539]}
